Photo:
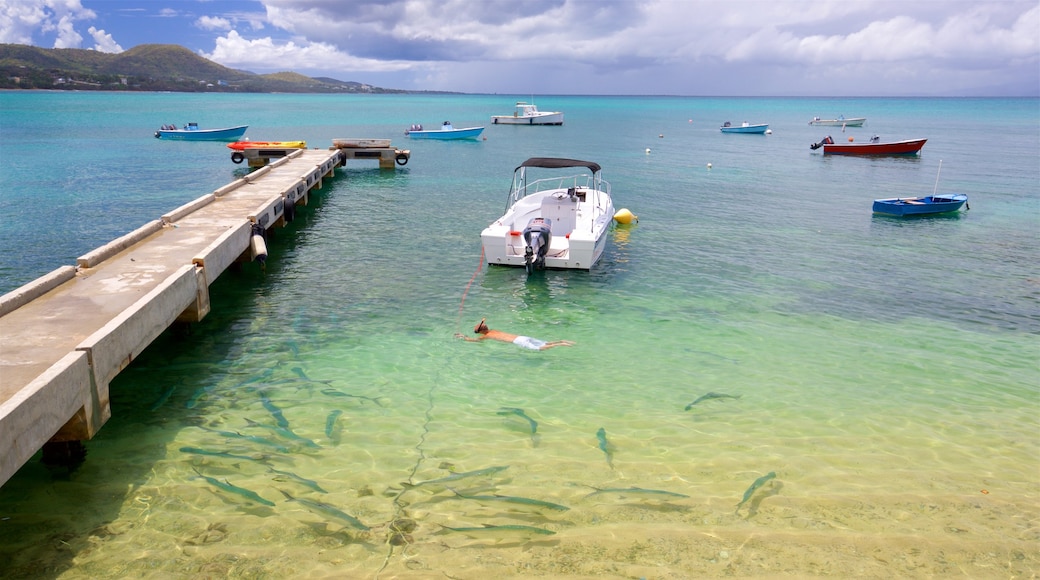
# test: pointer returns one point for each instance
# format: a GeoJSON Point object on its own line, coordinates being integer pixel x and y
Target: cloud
{"type": "Point", "coordinates": [264, 54]}
{"type": "Point", "coordinates": [213, 23]}
{"type": "Point", "coordinates": [22, 20]}
{"type": "Point", "coordinates": [104, 42]}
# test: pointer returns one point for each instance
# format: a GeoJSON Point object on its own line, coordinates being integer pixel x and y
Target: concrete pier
{"type": "Point", "coordinates": [66, 335]}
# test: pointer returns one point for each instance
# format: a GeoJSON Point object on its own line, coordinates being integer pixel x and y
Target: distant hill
{"type": "Point", "coordinates": [150, 67]}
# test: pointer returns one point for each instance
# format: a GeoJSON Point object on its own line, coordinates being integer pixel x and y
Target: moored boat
{"type": "Point", "coordinates": [841, 121]}
{"type": "Point", "coordinates": [914, 206]}
{"type": "Point", "coordinates": [744, 127]}
{"type": "Point", "coordinates": [873, 147]}
{"type": "Point", "coordinates": [360, 143]}
{"type": "Point", "coordinates": [192, 132]}
{"type": "Point", "coordinates": [240, 145]}
{"type": "Point", "coordinates": [446, 132]}
{"type": "Point", "coordinates": [528, 114]}
{"type": "Point", "coordinates": [551, 222]}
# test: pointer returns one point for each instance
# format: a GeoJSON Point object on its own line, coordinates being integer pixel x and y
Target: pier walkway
{"type": "Point", "coordinates": [65, 336]}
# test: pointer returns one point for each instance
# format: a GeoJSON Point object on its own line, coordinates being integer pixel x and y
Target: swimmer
{"type": "Point", "coordinates": [523, 341]}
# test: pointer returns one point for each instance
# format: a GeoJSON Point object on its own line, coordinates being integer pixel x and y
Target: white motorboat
{"type": "Point", "coordinates": [551, 222]}
{"type": "Point", "coordinates": [528, 114]}
{"type": "Point", "coordinates": [839, 122]}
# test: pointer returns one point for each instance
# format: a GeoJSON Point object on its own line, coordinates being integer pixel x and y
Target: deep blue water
{"type": "Point", "coordinates": [880, 362]}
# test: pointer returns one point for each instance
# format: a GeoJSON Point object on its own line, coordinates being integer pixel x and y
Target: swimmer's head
{"type": "Point", "coordinates": [481, 328]}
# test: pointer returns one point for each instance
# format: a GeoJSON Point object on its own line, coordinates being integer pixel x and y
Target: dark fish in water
{"type": "Point", "coordinates": [505, 411]}
{"type": "Point", "coordinates": [197, 396]}
{"type": "Point", "coordinates": [638, 490]}
{"type": "Point", "coordinates": [279, 418]}
{"type": "Point", "coordinates": [327, 510]}
{"type": "Point", "coordinates": [224, 454]}
{"type": "Point", "coordinates": [606, 446]}
{"type": "Point", "coordinates": [334, 393]}
{"type": "Point", "coordinates": [231, 488]}
{"type": "Point", "coordinates": [457, 476]}
{"type": "Point", "coordinates": [163, 398]}
{"type": "Point", "coordinates": [290, 475]}
{"type": "Point", "coordinates": [299, 372]}
{"type": "Point", "coordinates": [757, 484]}
{"type": "Point", "coordinates": [330, 425]}
{"type": "Point", "coordinates": [285, 433]}
{"type": "Point", "coordinates": [711, 396]}
{"type": "Point", "coordinates": [252, 438]}
{"type": "Point", "coordinates": [501, 532]}
{"type": "Point", "coordinates": [515, 500]}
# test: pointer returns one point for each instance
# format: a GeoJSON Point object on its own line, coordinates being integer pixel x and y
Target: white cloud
{"type": "Point", "coordinates": [21, 20]}
{"type": "Point", "coordinates": [264, 54]}
{"type": "Point", "coordinates": [103, 41]}
{"type": "Point", "coordinates": [213, 23]}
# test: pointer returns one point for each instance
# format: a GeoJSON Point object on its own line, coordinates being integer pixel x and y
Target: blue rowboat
{"type": "Point", "coordinates": [913, 206]}
{"type": "Point", "coordinates": [444, 133]}
{"type": "Point", "coordinates": [191, 132]}
{"type": "Point", "coordinates": [744, 128]}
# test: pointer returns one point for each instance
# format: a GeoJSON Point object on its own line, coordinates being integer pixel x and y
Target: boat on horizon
{"type": "Point", "coordinates": [192, 132]}
{"type": "Point", "coordinates": [557, 222]}
{"type": "Point", "coordinates": [528, 114]}
{"type": "Point", "coordinates": [841, 121]}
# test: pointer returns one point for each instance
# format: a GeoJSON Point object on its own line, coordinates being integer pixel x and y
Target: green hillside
{"type": "Point", "coordinates": [149, 67]}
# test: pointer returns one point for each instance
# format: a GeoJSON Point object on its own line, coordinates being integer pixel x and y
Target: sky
{"type": "Point", "coordinates": [584, 47]}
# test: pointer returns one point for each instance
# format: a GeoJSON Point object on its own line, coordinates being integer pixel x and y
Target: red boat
{"type": "Point", "coordinates": [874, 147]}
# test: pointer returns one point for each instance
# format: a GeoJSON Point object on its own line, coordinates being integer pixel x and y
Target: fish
{"type": "Point", "coordinates": [330, 426]}
{"type": "Point", "coordinates": [285, 433]}
{"type": "Point", "coordinates": [302, 481]}
{"type": "Point", "coordinates": [336, 393]}
{"type": "Point", "coordinates": [639, 490]}
{"type": "Point", "coordinates": [279, 418]}
{"type": "Point", "coordinates": [224, 454]}
{"type": "Point", "coordinates": [298, 371]}
{"type": "Point", "coordinates": [231, 488]}
{"type": "Point", "coordinates": [709, 396]}
{"type": "Point", "coordinates": [197, 396]}
{"type": "Point", "coordinates": [606, 446]}
{"type": "Point", "coordinates": [165, 396]}
{"type": "Point", "coordinates": [252, 438]}
{"type": "Point", "coordinates": [757, 484]}
{"type": "Point", "coordinates": [327, 510]}
{"type": "Point", "coordinates": [512, 499]}
{"type": "Point", "coordinates": [505, 411]}
{"type": "Point", "coordinates": [457, 476]}
{"type": "Point", "coordinates": [507, 531]}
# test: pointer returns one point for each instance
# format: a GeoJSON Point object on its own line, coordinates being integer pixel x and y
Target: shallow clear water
{"type": "Point", "coordinates": [887, 370]}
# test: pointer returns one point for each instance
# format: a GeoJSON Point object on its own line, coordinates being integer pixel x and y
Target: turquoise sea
{"type": "Point", "coordinates": [885, 371]}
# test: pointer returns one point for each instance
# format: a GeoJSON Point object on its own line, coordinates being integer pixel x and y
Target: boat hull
{"type": "Point", "coordinates": [447, 134]}
{"type": "Point", "coordinates": [915, 206]}
{"type": "Point", "coordinates": [360, 143]}
{"type": "Point", "coordinates": [243, 145]}
{"type": "Point", "coordinates": [854, 122]}
{"type": "Point", "coordinates": [537, 119]}
{"type": "Point", "coordinates": [226, 134]}
{"type": "Point", "coordinates": [752, 129]}
{"type": "Point", "coordinates": [907, 147]}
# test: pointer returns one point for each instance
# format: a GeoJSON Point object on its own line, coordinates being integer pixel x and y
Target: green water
{"type": "Point", "coordinates": [887, 370]}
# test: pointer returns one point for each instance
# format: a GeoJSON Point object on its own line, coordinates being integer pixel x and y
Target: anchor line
{"type": "Point", "coordinates": [480, 266]}
{"type": "Point", "coordinates": [398, 508]}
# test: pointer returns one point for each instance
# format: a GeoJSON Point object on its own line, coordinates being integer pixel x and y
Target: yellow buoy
{"type": "Point", "coordinates": [623, 216]}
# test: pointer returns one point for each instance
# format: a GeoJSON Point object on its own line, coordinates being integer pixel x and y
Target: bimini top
{"type": "Point", "coordinates": [557, 163]}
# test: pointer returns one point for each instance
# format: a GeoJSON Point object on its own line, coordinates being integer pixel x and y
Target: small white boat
{"type": "Point", "coordinates": [528, 114]}
{"type": "Point", "coordinates": [841, 121]}
{"type": "Point", "coordinates": [551, 222]}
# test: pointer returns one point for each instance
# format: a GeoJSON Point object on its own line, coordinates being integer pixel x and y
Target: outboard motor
{"type": "Point", "coordinates": [537, 236]}
{"type": "Point", "coordinates": [826, 141]}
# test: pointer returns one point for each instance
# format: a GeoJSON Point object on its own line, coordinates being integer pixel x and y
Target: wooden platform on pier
{"type": "Point", "coordinates": [65, 336]}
